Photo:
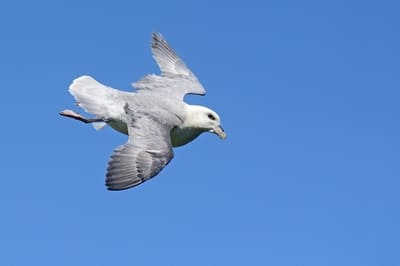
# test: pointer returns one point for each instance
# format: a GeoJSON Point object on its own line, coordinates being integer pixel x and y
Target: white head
{"type": "Point", "coordinates": [204, 119]}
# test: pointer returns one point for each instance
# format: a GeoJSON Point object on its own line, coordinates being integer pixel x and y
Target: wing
{"type": "Point", "coordinates": [169, 62]}
{"type": "Point", "coordinates": [146, 153]}
{"type": "Point", "coordinates": [176, 79]}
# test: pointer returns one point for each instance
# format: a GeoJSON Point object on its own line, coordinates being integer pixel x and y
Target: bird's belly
{"type": "Point", "coordinates": [119, 125]}
{"type": "Point", "coordinates": [181, 136]}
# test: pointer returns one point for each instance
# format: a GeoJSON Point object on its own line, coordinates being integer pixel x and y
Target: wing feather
{"type": "Point", "coordinates": [176, 79]}
{"type": "Point", "coordinates": [169, 62]}
{"type": "Point", "coordinates": [146, 153]}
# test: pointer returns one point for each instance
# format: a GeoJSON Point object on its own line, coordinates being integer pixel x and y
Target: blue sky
{"type": "Point", "coordinates": [308, 93]}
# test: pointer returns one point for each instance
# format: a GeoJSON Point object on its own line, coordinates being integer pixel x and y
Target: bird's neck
{"type": "Point", "coordinates": [189, 129]}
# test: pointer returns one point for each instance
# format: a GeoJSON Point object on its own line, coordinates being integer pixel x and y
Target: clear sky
{"type": "Point", "coordinates": [308, 92]}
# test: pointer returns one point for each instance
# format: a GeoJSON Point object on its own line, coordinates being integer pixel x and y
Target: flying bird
{"type": "Point", "coordinates": [154, 117]}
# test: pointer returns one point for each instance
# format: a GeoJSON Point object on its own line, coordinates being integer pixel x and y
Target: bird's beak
{"type": "Point", "coordinates": [218, 130]}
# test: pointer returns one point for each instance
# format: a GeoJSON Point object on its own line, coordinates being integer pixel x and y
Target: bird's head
{"type": "Point", "coordinates": [206, 119]}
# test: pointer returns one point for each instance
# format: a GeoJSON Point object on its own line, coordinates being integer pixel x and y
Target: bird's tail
{"type": "Point", "coordinates": [97, 99]}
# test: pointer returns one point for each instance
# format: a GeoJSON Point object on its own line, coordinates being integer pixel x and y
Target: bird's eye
{"type": "Point", "coordinates": [211, 116]}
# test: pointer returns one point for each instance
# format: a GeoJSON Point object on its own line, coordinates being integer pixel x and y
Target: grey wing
{"type": "Point", "coordinates": [176, 78]}
{"type": "Point", "coordinates": [146, 153]}
{"type": "Point", "coordinates": [169, 62]}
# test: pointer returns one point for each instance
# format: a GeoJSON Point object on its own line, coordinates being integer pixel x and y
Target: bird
{"type": "Point", "coordinates": [154, 116]}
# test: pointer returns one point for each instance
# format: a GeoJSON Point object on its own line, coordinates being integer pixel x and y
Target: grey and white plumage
{"type": "Point", "coordinates": [155, 117]}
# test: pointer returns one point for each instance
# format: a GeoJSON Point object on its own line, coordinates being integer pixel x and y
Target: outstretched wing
{"type": "Point", "coordinates": [146, 153]}
{"type": "Point", "coordinates": [176, 78]}
{"type": "Point", "coordinates": [169, 62]}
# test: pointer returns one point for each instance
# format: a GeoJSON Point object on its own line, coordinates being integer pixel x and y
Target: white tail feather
{"type": "Point", "coordinates": [98, 99]}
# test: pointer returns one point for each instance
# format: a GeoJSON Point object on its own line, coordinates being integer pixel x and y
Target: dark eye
{"type": "Point", "coordinates": [211, 116]}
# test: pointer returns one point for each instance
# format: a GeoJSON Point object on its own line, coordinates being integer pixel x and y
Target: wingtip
{"type": "Point", "coordinates": [157, 35]}
{"type": "Point", "coordinates": [118, 188]}
{"type": "Point", "coordinates": [157, 39]}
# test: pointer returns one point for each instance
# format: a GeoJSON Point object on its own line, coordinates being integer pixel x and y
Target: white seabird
{"type": "Point", "coordinates": [155, 117]}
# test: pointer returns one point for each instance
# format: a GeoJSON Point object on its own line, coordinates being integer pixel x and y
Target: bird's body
{"type": "Point", "coordinates": [155, 117]}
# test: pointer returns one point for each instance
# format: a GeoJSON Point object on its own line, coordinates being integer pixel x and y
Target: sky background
{"type": "Point", "coordinates": [308, 93]}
